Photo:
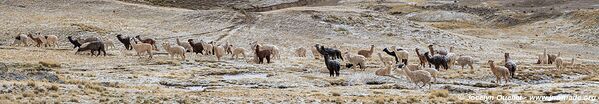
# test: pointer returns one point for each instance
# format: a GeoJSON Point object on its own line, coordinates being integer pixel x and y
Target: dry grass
{"type": "Point", "coordinates": [497, 92]}
{"type": "Point", "coordinates": [403, 9]}
{"type": "Point", "coordinates": [439, 93]}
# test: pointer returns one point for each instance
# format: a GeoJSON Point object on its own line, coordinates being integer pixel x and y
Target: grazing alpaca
{"type": "Point", "coordinates": [437, 60]}
{"type": "Point", "coordinates": [37, 40]}
{"type": "Point", "coordinates": [419, 76]}
{"type": "Point", "coordinates": [262, 54]}
{"type": "Point", "coordinates": [74, 42]}
{"type": "Point", "coordinates": [331, 52]}
{"type": "Point", "coordinates": [510, 64]}
{"type": "Point", "coordinates": [93, 46]}
{"type": "Point", "coordinates": [421, 57]}
{"type": "Point", "coordinates": [196, 47]}
{"type": "Point", "coordinates": [185, 45]}
{"type": "Point", "coordinates": [238, 51]}
{"type": "Point", "coordinates": [51, 40]}
{"type": "Point", "coordinates": [367, 53]}
{"type": "Point", "coordinates": [387, 60]}
{"type": "Point", "coordinates": [174, 50]}
{"type": "Point", "coordinates": [315, 52]}
{"type": "Point", "coordinates": [332, 65]}
{"type": "Point", "coordinates": [301, 52]}
{"type": "Point", "coordinates": [465, 60]}
{"type": "Point", "coordinates": [149, 41]}
{"type": "Point", "coordinates": [143, 47]}
{"type": "Point", "coordinates": [500, 72]}
{"type": "Point", "coordinates": [125, 40]}
{"type": "Point", "coordinates": [355, 60]}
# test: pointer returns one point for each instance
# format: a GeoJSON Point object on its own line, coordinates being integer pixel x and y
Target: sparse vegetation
{"type": "Point", "coordinates": [480, 29]}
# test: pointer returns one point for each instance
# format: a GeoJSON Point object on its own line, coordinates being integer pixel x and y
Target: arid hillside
{"type": "Point", "coordinates": [482, 29]}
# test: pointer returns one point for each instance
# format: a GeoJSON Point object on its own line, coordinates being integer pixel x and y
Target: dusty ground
{"type": "Point", "coordinates": [483, 30]}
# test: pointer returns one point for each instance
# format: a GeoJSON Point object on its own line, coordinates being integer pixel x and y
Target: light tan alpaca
{"type": "Point", "coordinates": [109, 43]}
{"type": "Point", "coordinates": [143, 47]}
{"type": "Point", "coordinates": [386, 71]}
{"type": "Point", "coordinates": [174, 50]}
{"type": "Point", "coordinates": [500, 72]}
{"type": "Point", "coordinates": [419, 76]}
{"type": "Point", "coordinates": [301, 52]}
{"type": "Point", "coordinates": [208, 48]}
{"type": "Point", "coordinates": [558, 61]}
{"type": "Point", "coordinates": [219, 52]}
{"type": "Point", "coordinates": [432, 71]}
{"type": "Point", "coordinates": [238, 51]}
{"type": "Point", "coordinates": [385, 59]}
{"type": "Point", "coordinates": [466, 60]}
{"type": "Point", "coordinates": [565, 64]}
{"type": "Point", "coordinates": [51, 40]}
{"type": "Point", "coordinates": [23, 40]}
{"type": "Point", "coordinates": [356, 60]}
{"type": "Point", "coordinates": [401, 54]}
{"type": "Point", "coordinates": [543, 58]}
{"type": "Point", "coordinates": [185, 45]}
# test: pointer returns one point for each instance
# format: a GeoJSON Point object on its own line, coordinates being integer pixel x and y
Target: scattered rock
{"type": "Point", "coordinates": [27, 75]}
{"type": "Point", "coordinates": [335, 93]}
{"type": "Point", "coordinates": [485, 85]}
{"type": "Point", "coordinates": [458, 89]}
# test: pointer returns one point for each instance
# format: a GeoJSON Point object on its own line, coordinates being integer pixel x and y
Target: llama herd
{"type": "Point", "coordinates": [419, 73]}
{"type": "Point", "coordinates": [396, 57]}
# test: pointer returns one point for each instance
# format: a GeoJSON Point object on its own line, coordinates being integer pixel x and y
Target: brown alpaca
{"type": "Point", "coordinates": [315, 53]}
{"type": "Point", "coordinates": [38, 41]}
{"type": "Point", "coordinates": [431, 50]}
{"type": "Point", "coordinates": [421, 57]}
{"type": "Point", "coordinates": [262, 54]}
{"type": "Point", "coordinates": [149, 41]}
{"type": "Point", "coordinates": [367, 53]}
{"type": "Point", "coordinates": [500, 72]}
